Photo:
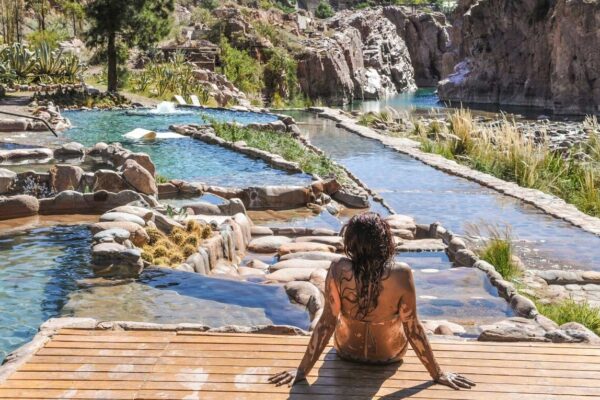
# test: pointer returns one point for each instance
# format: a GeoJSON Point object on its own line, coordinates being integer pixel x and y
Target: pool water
{"type": "Point", "coordinates": [460, 295]}
{"type": "Point", "coordinates": [182, 158]}
{"type": "Point", "coordinates": [45, 273]}
{"type": "Point", "coordinates": [430, 195]}
{"type": "Point", "coordinates": [422, 98]}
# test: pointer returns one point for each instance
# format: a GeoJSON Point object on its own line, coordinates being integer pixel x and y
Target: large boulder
{"type": "Point", "coordinates": [72, 202]}
{"type": "Point", "coordinates": [312, 255]}
{"type": "Point", "coordinates": [304, 247]}
{"type": "Point", "coordinates": [111, 181]}
{"type": "Point", "coordinates": [7, 179]}
{"type": "Point", "coordinates": [138, 235]}
{"type": "Point", "coordinates": [70, 150]}
{"type": "Point", "coordinates": [116, 260]}
{"type": "Point", "coordinates": [139, 177]}
{"type": "Point", "coordinates": [65, 177]}
{"type": "Point", "coordinates": [300, 263]}
{"type": "Point", "coordinates": [275, 197]}
{"type": "Point", "coordinates": [335, 241]}
{"type": "Point", "coordinates": [13, 125]}
{"type": "Point", "coordinates": [527, 53]}
{"type": "Point", "coordinates": [122, 217]}
{"type": "Point", "coordinates": [18, 206]}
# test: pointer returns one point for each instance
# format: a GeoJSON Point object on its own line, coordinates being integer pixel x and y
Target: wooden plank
{"type": "Point", "coordinates": [106, 332]}
{"type": "Point", "coordinates": [325, 369]}
{"type": "Point", "coordinates": [112, 338]}
{"type": "Point", "coordinates": [106, 345]}
{"type": "Point", "coordinates": [67, 394]}
{"type": "Point", "coordinates": [233, 374]}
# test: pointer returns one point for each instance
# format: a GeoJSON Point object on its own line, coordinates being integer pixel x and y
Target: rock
{"type": "Point", "coordinates": [290, 274]}
{"type": "Point", "coordinates": [32, 153]}
{"type": "Point", "coordinates": [318, 278]}
{"type": "Point", "coordinates": [138, 177]}
{"type": "Point", "coordinates": [122, 217]}
{"type": "Point", "coordinates": [401, 222]}
{"type": "Point", "coordinates": [70, 150]}
{"type": "Point", "coordinates": [247, 271]}
{"type": "Point", "coordinates": [268, 244]}
{"type": "Point", "coordinates": [465, 258]}
{"type": "Point", "coordinates": [118, 235]}
{"type": "Point", "coordinates": [422, 245]}
{"type": "Point", "coordinates": [66, 177]}
{"type": "Point", "coordinates": [304, 247]}
{"type": "Point", "coordinates": [541, 54]}
{"type": "Point", "coordinates": [443, 330]}
{"type": "Point", "coordinates": [113, 259]}
{"type": "Point", "coordinates": [513, 330]}
{"type": "Point", "coordinates": [72, 202]}
{"type": "Point", "coordinates": [7, 179]}
{"type": "Point", "coordinates": [143, 213]}
{"type": "Point", "coordinates": [144, 160]}
{"type": "Point", "coordinates": [580, 332]}
{"type": "Point", "coordinates": [335, 241]}
{"type": "Point", "coordinates": [111, 181]}
{"type": "Point", "coordinates": [523, 307]}
{"type": "Point", "coordinates": [300, 263]}
{"type": "Point", "coordinates": [308, 295]}
{"type": "Point", "coordinates": [258, 230]}
{"type": "Point", "coordinates": [166, 190]}
{"type": "Point", "coordinates": [258, 264]}
{"type": "Point", "coordinates": [166, 224]}
{"type": "Point", "coordinates": [138, 235]}
{"type": "Point", "coordinates": [275, 197]}
{"type": "Point", "coordinates": [18, 206]}
{"type": "Point", "coordinates": [351, 200]}
{"type": "Point", "coordinates": [312, 255]}
{"type": "Point", "coordinates": [13, 125]}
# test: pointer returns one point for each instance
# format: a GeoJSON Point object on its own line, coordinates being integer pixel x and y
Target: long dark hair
{"type": "Point", "coordinates": [369, 243]}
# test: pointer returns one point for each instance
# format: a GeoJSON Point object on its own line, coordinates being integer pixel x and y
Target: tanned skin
{"type": "Point", "coordinates": [397, 297]}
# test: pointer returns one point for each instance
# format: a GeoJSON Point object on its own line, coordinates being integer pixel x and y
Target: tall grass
{"type": "Point", "coordinates": [496, 247]}
{"type": "Point", "coordinates": [284, 145]}
{"type": "Point", "coordinates": [571, 311]}
{"type": "Point", "coordinates": [501, 150]}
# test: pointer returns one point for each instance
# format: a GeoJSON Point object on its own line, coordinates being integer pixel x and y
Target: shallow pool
{"type": "Point", "coordinates": [461, 295]}
{"type": "Point", "coordinates": [416, 189]}
{"type": "Point", "coordinates": [45, 273]}
{"type": "Point", "coordinates": [182, 158]}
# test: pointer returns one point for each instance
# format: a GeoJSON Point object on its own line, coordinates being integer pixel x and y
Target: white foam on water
{"type": "Point", "coordinates": [430, 270]}
{"type": "Point", "coordinates": [145, 134]}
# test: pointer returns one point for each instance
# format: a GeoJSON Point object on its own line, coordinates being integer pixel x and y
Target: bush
{"type": "Point", "coordinates": [280, 75]}
{"type": "Point", "coordinates": [240, 68]}
{"type": "Point", "coordinates": [571, 311]}
{"type": "Point", "coordinates": [324, 10]}
{"type": "Point", "coordinates": [284, 145]}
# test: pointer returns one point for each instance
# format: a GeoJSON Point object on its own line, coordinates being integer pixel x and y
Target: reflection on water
{"type": "Point", "coordinates": [167, 296]}
{"type": "Point", "coordinates": [41, 271]}
{"type": "Point", "coordinates": [461, 295]}
{"type": "Point", "coordinates": [183, 158]}
{"type": "Point", "coordinates": [414, 188]}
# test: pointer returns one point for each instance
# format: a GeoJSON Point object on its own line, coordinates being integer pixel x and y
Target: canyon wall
{"type": "Point", "coordinates": [541, 53]}
{"type": "Point", "coordinates": [373, 53]}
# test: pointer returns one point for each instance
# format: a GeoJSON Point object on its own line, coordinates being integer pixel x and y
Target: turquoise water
{"type": "Point", "coordinates": [182, 158]}
{"type": "Point", "coordinates": [423, 98]}
{"type": "Point", "coordinates": [45, 273]}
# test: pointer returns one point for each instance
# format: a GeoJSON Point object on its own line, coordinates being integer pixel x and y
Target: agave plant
{"type": "Point", "coordinates": [48, 61]}
{"type": "Point", "coordinates": [71, 67]}
{"type": "Point", "coordinates": [20, 59]}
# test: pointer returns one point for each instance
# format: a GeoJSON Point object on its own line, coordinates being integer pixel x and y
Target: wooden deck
{"type": "Point", "coordinates": [88, 364]}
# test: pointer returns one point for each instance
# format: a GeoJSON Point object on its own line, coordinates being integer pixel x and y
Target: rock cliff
{"type": "Point", "coordinates": [541, 53]}
{"type": "Point", "coordinates": [373, 53]}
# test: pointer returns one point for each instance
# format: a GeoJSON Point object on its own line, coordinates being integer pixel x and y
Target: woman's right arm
{"type": "Point", "coordinates": [319, 338]}
{"type": "Point", "coordinates": [418, 338]}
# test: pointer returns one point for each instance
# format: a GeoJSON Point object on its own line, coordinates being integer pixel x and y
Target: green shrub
{"type": "Point", "coordinates": [571, 311]}
{"type": "Point", "coordinates": [324, 10]}
{"type": "Point", "coordinates": [284, 145]}
{"type": "Point", "coordinates": [240, 68]}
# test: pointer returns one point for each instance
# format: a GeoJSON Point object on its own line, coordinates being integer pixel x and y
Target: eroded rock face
{"type": "Point", "coordinates": [526, 53]}
{"type": "Point", "coordinates": [373, 53]}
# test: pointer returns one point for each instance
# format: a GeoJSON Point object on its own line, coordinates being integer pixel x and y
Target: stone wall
{"type": "Point", "coordinates": [538, 53]}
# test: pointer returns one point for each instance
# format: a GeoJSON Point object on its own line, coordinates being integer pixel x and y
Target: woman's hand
{"type": "Point", "coordinates": [289, 378]}
{"type": "Point", "coordinates": [455, 381]}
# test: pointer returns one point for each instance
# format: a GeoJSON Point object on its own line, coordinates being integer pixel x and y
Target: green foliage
{"type": "Point", "coordinates": [50, 37]}
{"type": "Point", "coordinates": [504, 152]}
{"type": "Point", "coordinates": [161, 179]}
{"type": "Point", "coordinates": [284, 145]}
{"type": "Point", "coordinates": [498, 251]}
{"type": "Point", "coordinates": [79, 98]}
{"type": "Point", "coordinates": [571, 311]}
{"type": "Point", "coordinates": [240, 68]}
{"type": "Point", "coordinates": [280, 75]}
{"type": "Point", "coordinates": [324, 10]}
{"type": "Point", "coordinates": [138, 23]}
{"type": "Point", "coordinates": [20, 64]}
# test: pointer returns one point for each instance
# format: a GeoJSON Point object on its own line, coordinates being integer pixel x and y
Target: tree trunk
{"type": "Point", "coordinates": [112, 63]}
{"type": "Point", "coordinates": [43, 16]}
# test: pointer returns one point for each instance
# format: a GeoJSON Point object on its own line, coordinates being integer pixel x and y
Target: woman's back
{"type": "Point", "coordinates": [378, 336]}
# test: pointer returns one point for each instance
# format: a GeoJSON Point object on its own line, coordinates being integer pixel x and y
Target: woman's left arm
{"type": "Point", "coordinates": [319, 338]}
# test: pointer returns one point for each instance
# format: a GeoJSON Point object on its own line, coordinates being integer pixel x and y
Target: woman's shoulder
{"type": "Point", "coordinates": [401, 270]}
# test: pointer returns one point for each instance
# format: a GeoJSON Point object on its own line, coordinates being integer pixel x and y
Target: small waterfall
{"type": "Point", "coordinates": [165, 107]}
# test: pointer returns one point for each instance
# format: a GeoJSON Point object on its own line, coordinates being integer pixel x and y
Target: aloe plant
{"type": "Point", "coordinates": [20, 59]}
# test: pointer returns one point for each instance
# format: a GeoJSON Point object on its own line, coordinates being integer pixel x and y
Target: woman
{"type": "Point", "coordinates": [370, 305]}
